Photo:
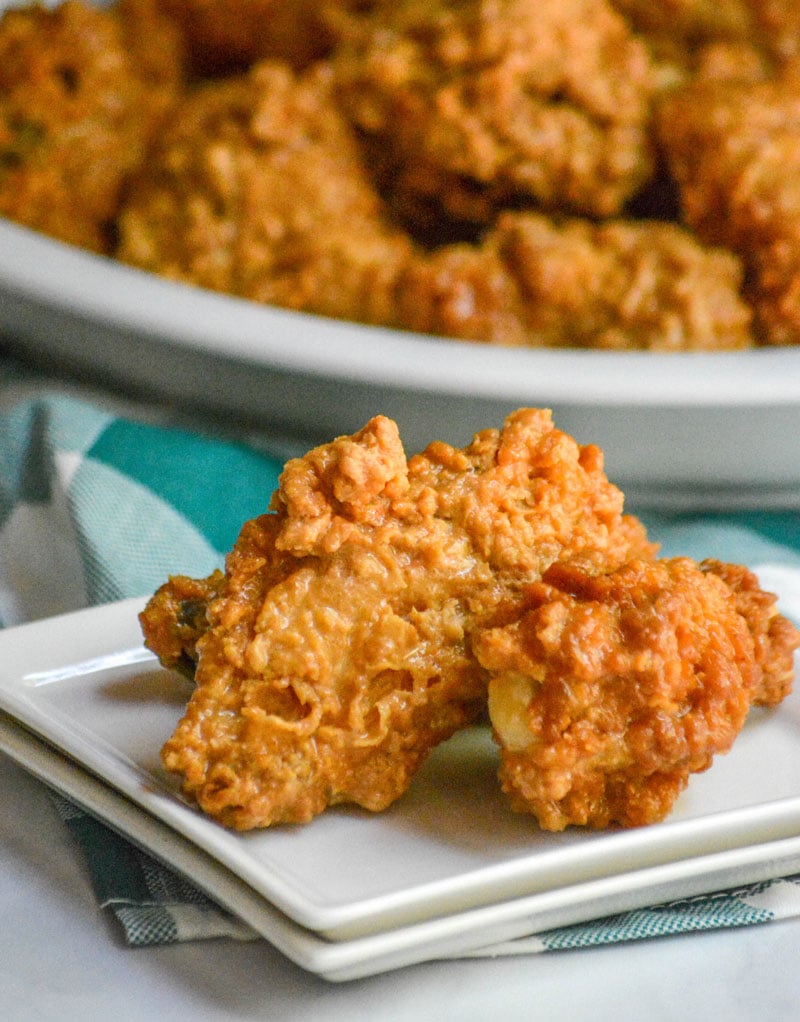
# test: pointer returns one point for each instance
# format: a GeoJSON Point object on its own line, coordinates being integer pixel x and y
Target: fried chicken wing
{"type": "Point", "coordinates": [257, 188]}
{"type": "Point", "coordinates": [335, 651]}
{"type": "Point", "coordinates": [677, 31]}
{"type": "Point", "coordinates": [607, 691]}
{"type": "Point", "coordinates": [734, 150]}
{"type": "Point", "coordinates": [488, 103]}
{"type": "Point", "coordinates": [734, 40]}
{"type": "Point", "coordinates": [79, 102]}
{"type": "Point", "coordinates": [616, 285]}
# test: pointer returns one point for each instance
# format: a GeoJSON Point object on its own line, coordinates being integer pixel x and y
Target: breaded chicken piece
{"type": "Point", "coordinates": [483, 104]}
{"type": "Point", "coordinates": [608, 691]}
{"type": "Point", "coordinates": [616, 285]}
{"type": "Point", "coordinates": [735, 153]}
{"type": "Point", "coordinates": [80, 99]}
{"type": "Point", "coordinates": [734, 39]}
{"type": "Point", "coordinates": [678, 30]}
{"type": "Point", "coordinates": [256, 188]}
{"type": "Point", "coordinates": [336, 651]}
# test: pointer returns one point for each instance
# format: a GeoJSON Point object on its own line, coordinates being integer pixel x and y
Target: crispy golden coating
{"type": "Point", "coordinates": [155, 47]}
{"type": "Point", "coordinates": [256, 188]}
{"type": "Point", "coordinates": [616, 285]}
{"type": "Point", "coordinates": [80, 98]}
{"type": "Point", "coordinates": [736, 39]}
{"type": "Point", "coordinates": [735, 151]}
{"type": "Point", "coordinates": [336, 651]}
{"type": "Point", "coordinates": [677, 31]}
{"type": "Point", "coordinates": [731, 62]}
{"type": "Point", "coordinates": [607, 691]}
{"type": "Point", "coordinates": [778, 24]}
{"type": "Point", "coordinates": [774, 637]}
{"type": "Point", "coordinates": [486, 103]}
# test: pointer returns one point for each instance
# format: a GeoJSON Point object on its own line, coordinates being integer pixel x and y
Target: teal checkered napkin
{"type": "Point", "coordinates": [109, 507]}
{"type": "Point", "coordinates": [152, 904]}
{"type": "Point", "coordinates": [97, 507]}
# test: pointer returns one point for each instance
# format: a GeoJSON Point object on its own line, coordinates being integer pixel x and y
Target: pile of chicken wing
{"type": "Point", "coordinates": [383, 603]}
{"type": "Point", "coordinates": [609, 174]}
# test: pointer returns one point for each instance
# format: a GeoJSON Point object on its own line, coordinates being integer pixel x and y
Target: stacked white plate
{"type": "Point", "coordinates": [447, 870]}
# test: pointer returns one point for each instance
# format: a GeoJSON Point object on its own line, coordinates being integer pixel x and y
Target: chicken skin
{"type": "Point", "coordinates": [81, 96]}
{"type": "Point", "coordinates": [489, 103]}
{"type": "Point", "coordinates": [336, 650]}
{"type": "Point", "coordinates": [257, 189]}
{"type": "Point", "coordinates": [734, 150]}
{"type": "Point", "coordinates": [608, 691]}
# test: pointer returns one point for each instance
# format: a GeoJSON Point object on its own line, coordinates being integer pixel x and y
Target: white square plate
{"type": "Point", "coordinates": [84, 683]}
{"type": "Point", "coordinates": [453, 936]}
